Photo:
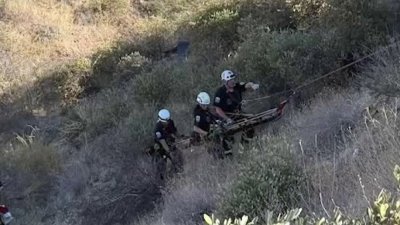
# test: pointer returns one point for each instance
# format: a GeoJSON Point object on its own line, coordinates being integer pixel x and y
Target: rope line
{"type": "Point", "coordinates": [307, 83]}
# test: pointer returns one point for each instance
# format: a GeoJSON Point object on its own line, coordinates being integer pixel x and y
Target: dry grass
{"type": "Point", "coordinates": [39, 35]}
{"type": "Point", "coordinates": [346, 170]}
{"type": "Point", "coordinates": [106, 179]}
{"type": "Point", "coordinates": [195, 192]}
{"type": "Point", "coordinates": [382, 74]}
{"type": "Point", "coordinates": [357, 172]}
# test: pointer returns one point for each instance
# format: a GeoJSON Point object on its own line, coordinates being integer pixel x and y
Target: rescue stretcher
{"type": "Point", "coordinates": [250, 120]}
{"type": "Point", "coordinates": [246, 121]}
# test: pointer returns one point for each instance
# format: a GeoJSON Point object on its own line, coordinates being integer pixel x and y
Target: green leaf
{"type": "Point", "coordinates": [396, 173]}
{"type": "Point", "coordinates": [370, 213]}
{"type": "Point", "coordinates": [208, 219]}
{"type": "Point", "coordinates": [321, 221]}
{"type": "Point", "coordinates": [244, 220]}
{"type": "Point", "coordinates": [254, 221]}
{"type": "Point", "coordinates": [383, 210]}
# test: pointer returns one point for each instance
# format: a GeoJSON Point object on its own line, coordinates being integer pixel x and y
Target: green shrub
{"type": "Point", "coordinates": [140, 124]}
{"type": "Point", "coordinates": [264, 15]}
{"type": "Point", "coordinates": [155, 86]}
{"type": "Point", "coordinates": [130, 65]}
{"type": "Point", "coordinates": [215, 26]}
{"type": "Point", "coordinates": [154, 36]}
{"type": "Point", "coordinates": [124, 60]}
{"type": "Point", "coordinates": [67, 83]}
{"type": "Point", "coordinates": [105, 64]}
{"type": "Point", "coordinates": [385, 210]}
{"type": "Point", "coordinates": [282, 60]}
{"type": "Point", "coordinates": [172, 81]}
{"type": "Point", "coordinates": [96, 115]}
{"type": "Point", "coordinates": [33, 156]}
{"type": "Point", "coordinates": [355, 23]}
{"type": "Point", "coordinates": [268, 180]}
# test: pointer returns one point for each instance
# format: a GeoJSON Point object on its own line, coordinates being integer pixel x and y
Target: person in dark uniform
{"type": "Point", "coordinates": [165, 135]}
{"type": "Point", "coordinates": [202, 117]}
{"type": "Point", "coordinates": [203, 133]}
{"type": "Point", "coordinates": [228, 103]}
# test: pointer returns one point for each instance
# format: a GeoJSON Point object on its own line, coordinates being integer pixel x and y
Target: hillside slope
{"type": "Point", "coordinates": [82, 81]}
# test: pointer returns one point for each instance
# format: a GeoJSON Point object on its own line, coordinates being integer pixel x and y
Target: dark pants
{"type": "Point", "coordinates": [228, 139]}
{"type": "Point", "coordinates": [160, 159]}
{"type": "Point", "coordinates": [176, 160]}
{"type": "Point", "coordinates": [247, 133]}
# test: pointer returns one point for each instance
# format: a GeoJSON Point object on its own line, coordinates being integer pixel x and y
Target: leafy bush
{"type": "Point", "coordinates": [155, 86]}
{"type": "Point", "coordinates": [128, 58]}
{"type": "Point", "coordinates": [95, 116]}
{"type": "Point", "coordinates": [355, 24]}
{"type": "Point", "coordinates": [67, 83]}
{"type": "Point", "coordinates": [105, 64]}
{"type": "Point", "coordinates": [219, 24]}
{"type": "Point", "coordinates": [385, 210]}
{"type": "Point", "coordinates": [215, 26]}
{"type": "Point", "coordinates": [264, 15]}
{"type": "Point", "coordinates": [29, 166]}
{"type": "Point", "coordinates": [33, 156]}
{"type": "Point", "coordinates": [130, 65]}
{"type": "Point", "coordinates": [367, 22]}
{"type": "Point", "coordinates": [172, 81]}
{"type": "Point", "coordinates": [268, 180]}
{"type": "Point", "coordinates": [281, 60]}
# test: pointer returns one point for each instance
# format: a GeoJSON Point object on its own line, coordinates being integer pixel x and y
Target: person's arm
{"type": "Point", "coordinates": [251, 86]}
{"type": "Point", "coordinates": [174, 133]}
{"type": "Point", "coordinates": [164, 144]}
{"type": "Point", "coordinates": [223, 115]}
{"type": "Point", "coordinates": [160, 137]}
{"type": "Point", "coordinates": [199, 131]}
{"type": "Point", "coordinates": [218, 100]}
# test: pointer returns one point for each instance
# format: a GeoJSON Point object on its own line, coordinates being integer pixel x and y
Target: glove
{"type": "Point", "coordinates": [228, 121]}
{"type": "Point", "coordinates": [255, 86]}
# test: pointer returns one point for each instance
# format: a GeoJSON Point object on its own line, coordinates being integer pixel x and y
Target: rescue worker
{"type": "Point", "coordinates": [165, 135]}
{"type": "Point", "coordinates": [228, 103]}
{"type": "Point", "coordinates": [203, 120]}
{"type": "Point", "coordinates": [202, 117]}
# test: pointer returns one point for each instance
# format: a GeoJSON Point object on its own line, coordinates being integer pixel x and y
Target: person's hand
{"type": "Point", "coordinates": [255, 86]}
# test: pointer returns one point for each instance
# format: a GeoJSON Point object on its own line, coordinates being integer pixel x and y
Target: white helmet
{"type": "Point", "coordinates": [227, 75]}
{"type": "Point", "coordinates": [203, 98]}
{"type": "Point", "coordinates": [164, 115]}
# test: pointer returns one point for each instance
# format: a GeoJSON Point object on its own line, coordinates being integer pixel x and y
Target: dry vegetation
{"type": "Point", "coordinates": [81, 82]}
{"type": "Point", "coordinates": [37, 36]}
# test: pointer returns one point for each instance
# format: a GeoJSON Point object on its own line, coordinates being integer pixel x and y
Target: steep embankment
{"type": "Point", "coordinates": [84, 165]}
